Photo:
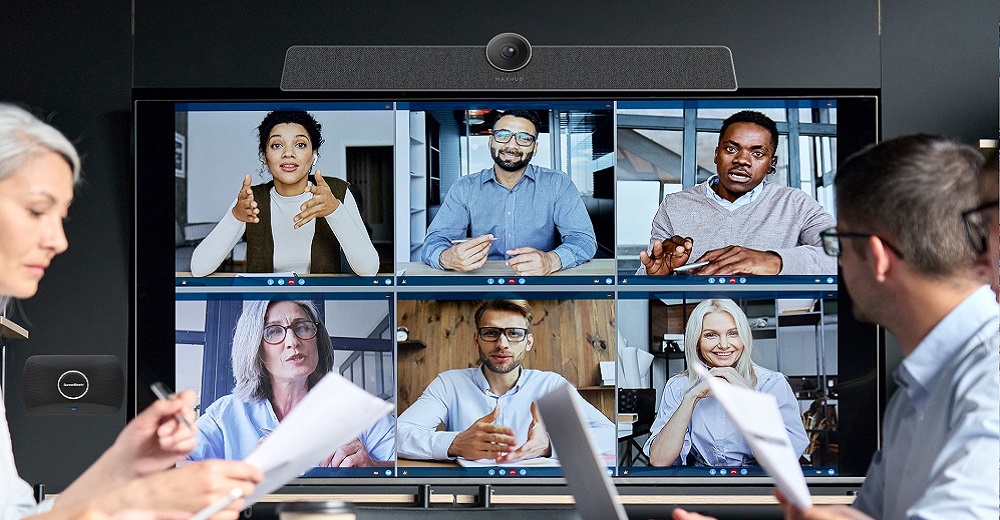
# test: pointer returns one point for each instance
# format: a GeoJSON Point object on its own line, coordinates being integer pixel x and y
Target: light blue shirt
{"type": "Point", "coordinates": [543, 210]}
{"type": "Point", "coordinates": [740, 201]}
{"type": "Point", "coordinates": [713, 435]}
{"type": "Point", "coordinates": [941, 454]}
{"type": "Point", "coordinates": [231, 428]}
{"type": "Point", "coordinates": [458, 398]}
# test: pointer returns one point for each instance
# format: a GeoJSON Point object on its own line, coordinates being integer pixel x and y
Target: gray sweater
{"type": "Point", "coordinates": [780, 219]}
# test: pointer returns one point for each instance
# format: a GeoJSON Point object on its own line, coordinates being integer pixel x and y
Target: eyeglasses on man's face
{"type": "Point", "coordinates": [513, 334]}
{"type": "Point", "coordinates": [978, 222]}
{"type": "Point", "coordinates": [831, 241]}
{"type": "Point", "coordinates": [521, 138]}
{"type": "Point", "coordinates": [275, 334]}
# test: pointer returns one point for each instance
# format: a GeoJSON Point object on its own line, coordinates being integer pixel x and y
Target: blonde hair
{"type": "Point", "coordinates": [692, 334]}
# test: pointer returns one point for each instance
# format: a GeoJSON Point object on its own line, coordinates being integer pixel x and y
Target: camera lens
{"type": "Point", "coordinates": [508, 52]}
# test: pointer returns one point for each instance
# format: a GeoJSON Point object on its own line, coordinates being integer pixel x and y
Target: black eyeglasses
{"type": "Point", "coordinates": [275, 334]}
{"type": "Point", "coordinates": [514, 334]}
{"type": "Point", "coordinates": [522, 138]}
{"type": "Point", "coordinates": [831, 241]}
{"type": "Point", "coordinates": [977, 223]}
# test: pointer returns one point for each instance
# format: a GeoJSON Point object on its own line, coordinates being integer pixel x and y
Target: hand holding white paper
{"type": "Point", "coordinates": [757, 416]}
{"type": "Point", "coordinates": [301, 441]}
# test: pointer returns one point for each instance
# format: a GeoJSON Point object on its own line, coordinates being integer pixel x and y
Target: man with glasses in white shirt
{"type": "Point", "coordinates": [530, 216]}
{"type": "Point", "coordinates": [489, 412]}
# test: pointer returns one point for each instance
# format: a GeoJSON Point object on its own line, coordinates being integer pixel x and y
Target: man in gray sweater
{"type": "Point", "coordinates": [735, 221]}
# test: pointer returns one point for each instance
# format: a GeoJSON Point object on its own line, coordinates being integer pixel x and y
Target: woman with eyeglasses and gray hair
{"type": "Point", "coordinates": [281, 349]}
{"type": "Point", "coordinates": [691, 427]}
{"type": "Point", "coordinates": [38, 170]}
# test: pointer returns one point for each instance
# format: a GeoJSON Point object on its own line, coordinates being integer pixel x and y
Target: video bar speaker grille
{"type": "Point", "coordinates": [465, 68]}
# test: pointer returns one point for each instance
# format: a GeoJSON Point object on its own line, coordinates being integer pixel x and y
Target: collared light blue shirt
{"type": "Point", "coordinates": [231, 428]}
{"type": "Point", "coordinates": [458, 398]}
{"type": "Point", "coordinates": [713, 435]}
{"type": "Point", "coordinates": [941, 454]}
{"type": "Point", "coordinates": [740, 201]}
{"type": "Point", "coordinates": [543, 210]}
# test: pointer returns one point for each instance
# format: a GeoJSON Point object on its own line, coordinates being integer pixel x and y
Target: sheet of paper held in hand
{"type": "Point", "coordinates": [301, 441]}
{"type": "Point", "coordinates": [757, 416]}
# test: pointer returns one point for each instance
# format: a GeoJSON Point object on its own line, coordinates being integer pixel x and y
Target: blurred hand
{"type": "Point", "coordinates": [190, 488]}
{"type": "Point", "coordinates": [483, 440]}
{"type": "Point", "coordinates": [837, 512]}
{"type": "Point", "coordinates": [155, 440]}
{"type": "Point", "coordinates": [93, 513]}
{"type": "Point", "coordinates": [680, 514]}
{"type": "Point", "coordinates": [246, 209]}
{"type": "Point", "coordinates": [537, 444]}
{"type": "Point", "coordinates": [528, 261]}
{"type": "Point", "coordinates": [322, 203]}
{"type": "Point", "coordinates": [667, 254]}
{"type": "Point", "coordinates": [467, 256]}
{"type": "Point", "coordinates": [740, 260]}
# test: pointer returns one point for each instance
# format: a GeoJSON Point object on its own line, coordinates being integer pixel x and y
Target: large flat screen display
{"type": "Point", "coordinates": [459, 255]}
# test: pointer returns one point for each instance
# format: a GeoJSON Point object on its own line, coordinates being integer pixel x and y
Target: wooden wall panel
{"type": "Point", "coordinates": [571, 337]}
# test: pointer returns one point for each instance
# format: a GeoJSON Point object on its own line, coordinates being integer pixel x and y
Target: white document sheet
{"type": "Point", "coordinates": [537, 462]}
{"type": "Point", "coordinates": [333, 413]}
{"type": "Point", "coordinates": [584, 468]}
{"type": "Point", "coordinates": [757, 417]}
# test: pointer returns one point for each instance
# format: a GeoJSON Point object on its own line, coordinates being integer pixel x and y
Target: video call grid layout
{"type": "Point", "coordinates": [399, 277]}
{"type": "Point", "coordinates": [623, 473]}
{"type": "Point", "coordinates": [617, 284]}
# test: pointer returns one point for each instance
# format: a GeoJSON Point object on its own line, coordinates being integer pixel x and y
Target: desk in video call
{"type": "Point", "coordinates": [596, 267]}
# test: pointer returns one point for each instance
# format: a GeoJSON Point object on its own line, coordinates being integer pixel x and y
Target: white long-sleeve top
{"type": "Point", "coordinates": [292, 246]}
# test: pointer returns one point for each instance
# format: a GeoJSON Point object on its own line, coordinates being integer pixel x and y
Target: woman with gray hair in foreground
{"type": "Point", "coordinates": [38, 170]}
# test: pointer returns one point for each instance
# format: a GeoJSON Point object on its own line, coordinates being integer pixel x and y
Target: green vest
{"type": "Point", "coordinates": [324, 255]}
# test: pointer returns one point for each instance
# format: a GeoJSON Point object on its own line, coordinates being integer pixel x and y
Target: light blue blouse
{"type": "Point", "coordinates": [713, 435]}
{"type": "Point", "coordinates": [230, 429]}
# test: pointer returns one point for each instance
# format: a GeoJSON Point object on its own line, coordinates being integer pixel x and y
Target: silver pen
{"type": "Point", "coordinates": [162, 391]}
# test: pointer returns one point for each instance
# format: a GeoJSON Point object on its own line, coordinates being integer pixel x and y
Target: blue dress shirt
{"type": "Point", "coordinates": [711, 432]}
{"type": "Point", "coordinates": [230, 429]}
{"type": "Point", "coordinates": [543, 210]}
{"type": "Point", "coordinates": [458, 398]}
{"type": "Point", "coordinates": [941, 454]}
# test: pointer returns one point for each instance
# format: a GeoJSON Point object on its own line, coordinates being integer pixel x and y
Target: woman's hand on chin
{"type": "Point", "coordinates": [730, 374]}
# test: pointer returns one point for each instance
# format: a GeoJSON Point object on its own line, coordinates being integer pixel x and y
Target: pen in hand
{"type": "Point", "coordinates": [163, 392]}
{"type": "Point", "coordinates": [218, 505]}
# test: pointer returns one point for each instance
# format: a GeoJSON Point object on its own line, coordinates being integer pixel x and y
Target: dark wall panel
{"type": "Point", "coordinates": [939, 68]}
{"type": "Point", "coordinates": [70, 61]}
{"type": "Point", "coordinates": [774, 43]}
